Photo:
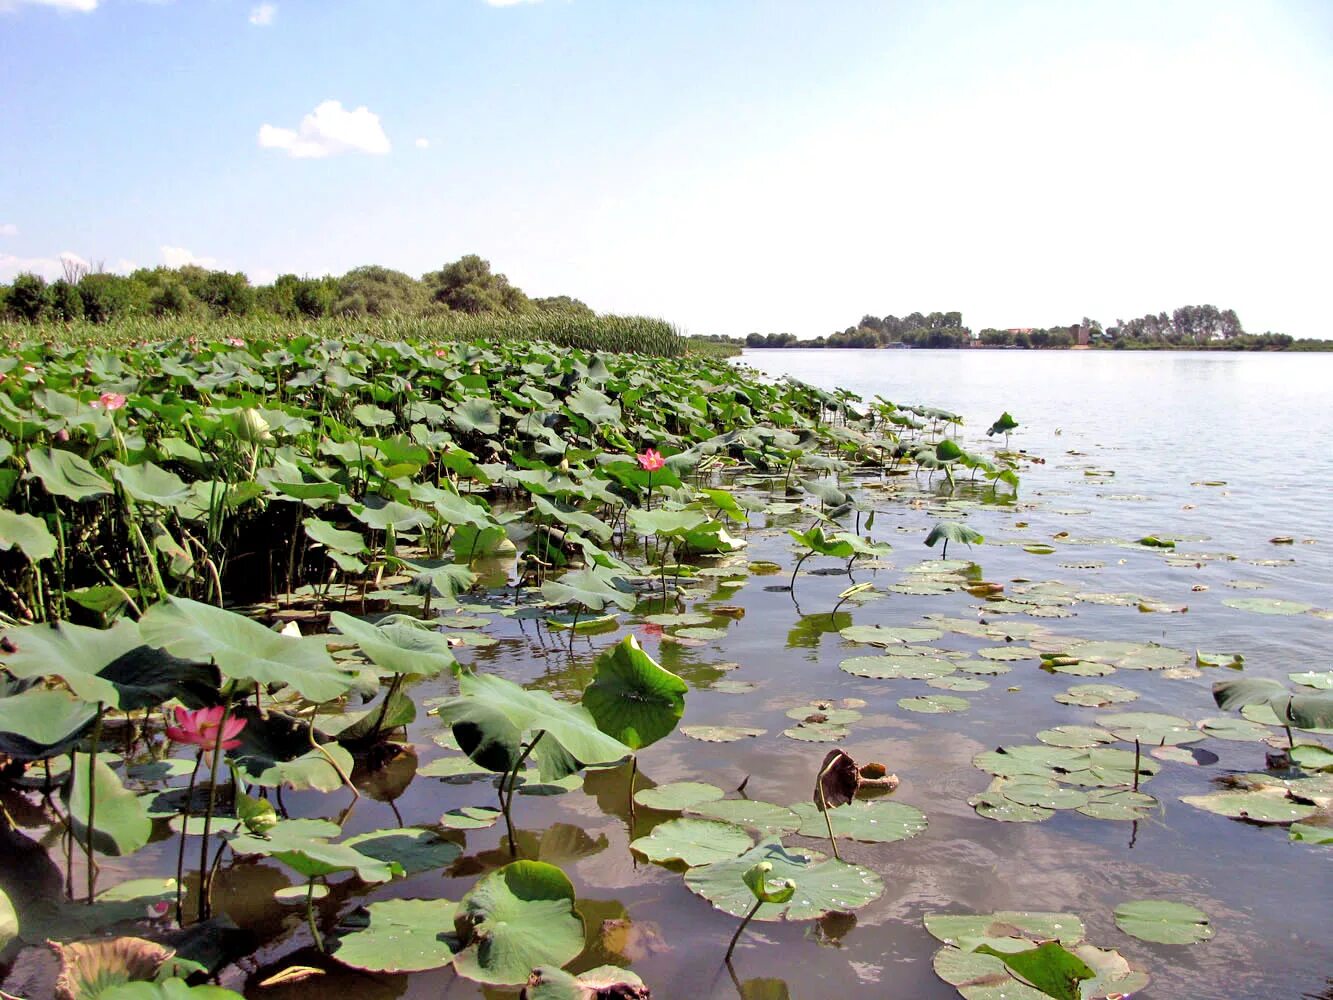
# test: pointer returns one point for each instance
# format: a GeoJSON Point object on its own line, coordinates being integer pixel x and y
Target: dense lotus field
{"type": "Point", "coordinates": [251, 587]}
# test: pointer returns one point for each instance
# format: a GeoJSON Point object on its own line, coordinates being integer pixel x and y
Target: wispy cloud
{"type": "Point", "coordinates": [263, 15]}
{"type": "Point", "coordinates": [82, 6]}
{"type": "Point", "coordinates": [328, 130]}
{"type": "Point", "coordinates": [422, 143]}
{"type": "Point", "coordinates": [8, 229]}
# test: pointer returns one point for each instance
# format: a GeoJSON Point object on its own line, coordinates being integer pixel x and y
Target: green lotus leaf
{"type": "Point", "coordinates": [1257, 805]}
{"type": "Point", "coordinates": [766, 890]}
{"type": "Point", "coordinates": [516, 919]}
{"type": "Point", "coordinates": [28, 534]}
{"type": "Point", "coordinates": [335, 539]}
{"type": "Point", "coordinates": [765, 817]}
{"type": "Point", "coordinates": [470, 818]}
{"type": "Point", "coordinates": [42, 722]}
{"type": "Point", "coordinates": [1151, 728]}
{"type": "Point", "coordinates": [399, 935]}
{"type": "Point", "coordinates": [1096, 695]}
{"type": "Point", "coordinates": [9, 921]}
{"type": "Point", "coordinates": [593, 588]}
{"type": "Point", "coordinates": [149, 483]}
{"type": "Point", "coordinates": [476, 416]}
{"type": "Point", "coordinates": [1239, 730]}
{"type": "Point", "coordinates": [1163, 921]}
{"type": "Point", "coordinates": [304, 845]}
{"type": "Point", "coordinates": [877, 635]}
{"type": "Point", "coordinates": [414, 849]}
{"type": "Point", "coordinates": [953, 531]}
{"type": "Point", "coordinates": [604, 981]}
{"type": "Point", "coordinates": [65, 474]}
{"type": "Point", "coordinates": [897, 666]}
{"type": "Point", "coordinates": [677, 796]}
{"type": "Point", "coordinates": [1118, 804]}
{"type": "Point", "coordinates": [243, 649]}
{"type": "Point", "coordinates": [400, 646]}
{"type": "Point", "coordinates": [1311, 834]}
{"type": "Point", "coordinates": [1048, 967]}
{"type": "Point", "coordinates": [1075, 736]}
{"type": "Point", "coordinates": [491, 716]}
{"type": "Point", "coordinates": [934, 704]}
{"type": "Point", "coordinates": [823, 885]}
{"type": "Point", "coordinates": [1320, 679]}
{"type": "Point", "coordinates": [632, 698]}
{"type": "Point", "coordinates": [878, 821]}
{"type": "Point", "coordinates": [693, 842]}
{"type": "Point", "coordinates": [121, 824]}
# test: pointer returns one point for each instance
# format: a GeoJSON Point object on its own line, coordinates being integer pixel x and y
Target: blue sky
{"type": "Point", "coordinates": [732, 166]}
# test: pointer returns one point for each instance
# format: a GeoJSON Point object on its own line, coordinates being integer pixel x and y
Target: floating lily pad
{"type": "Point", "coordinates": [993, 804]}
{"type": "Point", "coordinates": [1267, 605]}
{"type": "Point", "coordinates": [954, 683]}
{"type": "Point", "coordinates": [1047, 794]}
{"type": "Point", "coordinates": [1151, 728]}
{"type": "Point", "coordinates": [934, 704]}
{"type": "Point", "coordinates": [733, 687]}
{"type": "Point", "coordinates": [877, 635]}
{"type": "Point", "coordinates": [1075, 736]}
{"type": "Point", "coordinates": [955, 928]}
{"type": "Point", "coordinates": [399, 935]}
{"type": "Point", "coordinates": [1230, 728]}
{"type": "Point", "coordinates": [701, 633]}
{"type": "Point", "coordinates": [677, 796]}
{"type": "Point", "coordinates": [1083, 668]}
{"type": "Point", "coordinates": [1312, 834]}
{"type": "Point", "coordinates": [693, 842]}
{"type": "Point", "coordinates": [817, 733]}
{"type": "Point", "coordinates": [1319, 679]}
{"type": "Point", "coordinates": [1007, 653]}
{"type": "Point", "coordinates": [981, 977]}
{"type": "Point", "coordinates": [416, 849]}
{"type": "Point", "coordinates": [823, 885]}
{"type": "Point", "coordinates": [1096, 695]}
{"type": "Point", "coordinates": [986, 668]}
{"type": "Point", "coordinates": [1163, 921]}
{"type": "Point", "coordinates": [470, 818]}
{"type": "Point", "coordinates": [1259, 805]}
{"type": "Point", "coordinates": [721, 734]}
{"type": "Point", "coordinates": [766, 817]}
{"type": "Point", "coordinates": [1118, 804]}
{"type": "Point", "coordinates": [893, 667]}
{"type": "Point", "coordinates": [880, 821]}
{"type": "Point", "coordinates": [824, 712]}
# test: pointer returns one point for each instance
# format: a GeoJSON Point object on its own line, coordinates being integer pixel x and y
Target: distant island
{"type": "Point", "coordinates": [1189, 328]}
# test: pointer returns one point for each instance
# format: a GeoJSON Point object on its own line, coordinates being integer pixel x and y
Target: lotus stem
{"type": "Point", "coordinates": [737, 936]}
{"type": "Point", "coordinates": [633, 773]}
{"type": "Point", "coordinates": [310, 914]}
{"type": "Point", "coordinates": [342, 775]}
{"type": "Point", "coordinates": [185, 827]}
{"type": "Point", "coordinates": [203, 910]}
{"type": "Point", "coordinates": [1138, 752]}
{"type": "Point", "coordinates": [823, 807]}
{"type": "Point", "coordinates": [92, 802]}
{"type": "Point", "coordinates": [507, 801]}
{"type": "Point", "coordinates": [797, 569]}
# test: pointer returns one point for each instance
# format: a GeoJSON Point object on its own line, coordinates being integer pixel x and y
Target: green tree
{"type": "Point", "coordinates": [563, 304]}
{"type": "Point", "coordinates": [378, 291]}
{"type": "Point", "coordinates": [66, 303]}
{"type": "Point", "coordinates": [29, 298]}
{"type": "Point", "coordinates": [468, 285]}
{"type": "Point", "coordinates": [106, 296]}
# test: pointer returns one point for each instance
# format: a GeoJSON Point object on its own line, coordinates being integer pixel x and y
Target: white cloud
{"type": "Point", "coordinates": [8, 229]}
{"type": "Point", "coordinates": [423, 144]}
{"type": "Point", "coordinates": [180, 257]}
{"type": "Point", "coordinates": [48, 267]}
{"type": "Point", "coordinates": [82, 6]}
{"type": "Point", "coordinates": [328, 130]}
{"type": "Point", "coordinates": [509, 3]}
{"type": "Point", "coordinates": [263, 15]}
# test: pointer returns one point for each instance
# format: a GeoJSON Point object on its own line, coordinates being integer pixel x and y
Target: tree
{"type": "Point", "coordinates": [563, 304]}
{"type": "Point", "coordinates": [468, 285]}
{"type": "Point", "coordinates": [66, 303]}
{"type": "Point", "coordinates": [106, 296]}
{"type": "Point", "coordinates": [378, 291]}
{"type": "Point", "coordinates": [29, 298]}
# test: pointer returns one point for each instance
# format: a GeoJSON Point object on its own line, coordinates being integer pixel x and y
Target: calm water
{"type": "Point", "coordinates": [1161, 423]}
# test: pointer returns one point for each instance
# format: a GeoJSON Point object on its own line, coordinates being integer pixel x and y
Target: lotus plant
{"type": "Point", "coordinates": [765, 890]}
{"type": "Point", "coordinates": [650, 461]}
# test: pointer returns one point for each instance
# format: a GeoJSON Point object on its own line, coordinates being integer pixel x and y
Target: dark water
{"type": "Point", "coordinates": [1162, 423]}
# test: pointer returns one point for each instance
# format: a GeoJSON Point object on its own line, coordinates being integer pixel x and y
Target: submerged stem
{"type": "Point", "coordinates": [823, 807]}
{"type": "Point", "coordinates": [203, 910]}
{"type": "Point", "coordinates": [185, 829]}
{"type": "Point", "coordinates": [507, 800]}
{"type": "Point", "coordinates": [737, 936]}
{"type": "Point", "coordinates": [92, 801]}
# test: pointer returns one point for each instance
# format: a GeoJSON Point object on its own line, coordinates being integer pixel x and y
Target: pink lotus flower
{"type": "Point", "coordinates": [652, 630]}
{"type": "Point", "coordinates": [651, 460]}
{"type": "Point", "coordinates": [29, 368]}
{"type": "Point", "coordinates": [62, 434]}
{"type": "Point", "coordinates": [201, 728]}
{"type": "Point", "coordinates": [235, 341]}
{"type": "Point", "coordinates": [109, 401]}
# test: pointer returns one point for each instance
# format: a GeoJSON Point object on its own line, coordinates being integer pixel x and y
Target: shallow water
{"type": "Point", "coordinates": [1161, 422]}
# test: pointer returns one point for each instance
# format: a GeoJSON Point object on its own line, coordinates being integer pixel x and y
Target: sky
{"type": "Point", "coordinates": [729, 165]}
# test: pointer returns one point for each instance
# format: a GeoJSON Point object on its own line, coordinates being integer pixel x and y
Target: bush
{"type": "Point", "coordinates": [29, 298]}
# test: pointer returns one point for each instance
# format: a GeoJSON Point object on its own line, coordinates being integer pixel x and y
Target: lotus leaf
{"type": "Point", "coordinates": [693, 842]}
{"type": "Point", "coordinates": [822, 885]}
{"type": "Point", "coordinates": [677, 796]}
{"type": "Point", "coordinates": [1163, 921]}
{"type": "Point", "coordinates": [516, 919]}
{"type": "Point", "coordinates": [878, 821]}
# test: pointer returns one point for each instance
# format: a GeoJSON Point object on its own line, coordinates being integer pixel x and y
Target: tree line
{"type": "Point", "coordinates": [1204, 327]}
{"type": "Point", "coordinates": [468, 285]}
